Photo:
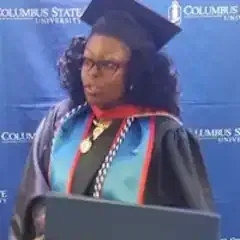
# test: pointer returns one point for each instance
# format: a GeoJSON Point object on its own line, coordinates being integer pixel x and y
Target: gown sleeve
{"type": "Point", "coordinates": [28, 217]}
{"type": "Point", "coordinates": [184, 177]}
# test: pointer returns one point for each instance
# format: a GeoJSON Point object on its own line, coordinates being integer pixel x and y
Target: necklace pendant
{"type": "Point", "coordinates": [97, 132]}
{"type": "Point", "coordinates": [85, 145]}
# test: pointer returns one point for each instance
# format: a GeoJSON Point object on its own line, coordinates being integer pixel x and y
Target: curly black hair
{"type": "Point", "coordinates": [153, 87]}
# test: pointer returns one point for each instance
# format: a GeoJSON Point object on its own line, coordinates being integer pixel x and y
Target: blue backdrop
{"type": "Point", "coordinates": [33, 34]}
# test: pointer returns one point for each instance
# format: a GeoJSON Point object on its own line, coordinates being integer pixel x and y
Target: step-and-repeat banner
{"type": "Point", "coordinates": [33, 34]}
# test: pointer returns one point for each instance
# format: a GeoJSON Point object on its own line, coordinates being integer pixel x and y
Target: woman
{"type": "Point", "coordinates": [118, 136]}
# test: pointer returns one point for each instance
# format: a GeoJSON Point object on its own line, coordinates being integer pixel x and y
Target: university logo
{"type": "Point", "coordinates": [3, 196]}
{"type": "Point", "coordinates": [219, 135]}
{"type": "Point", "coordinates": [178, 12]}
{"type": "Point", "coordinates": [175, 12]}
{"type": "Point", "coordinates": [16, 137]}
{"type": "Point", "coordinates": [46, 15]}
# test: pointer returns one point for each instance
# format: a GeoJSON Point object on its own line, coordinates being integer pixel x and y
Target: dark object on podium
{"type": "Point", "coordinates": [80, 218]}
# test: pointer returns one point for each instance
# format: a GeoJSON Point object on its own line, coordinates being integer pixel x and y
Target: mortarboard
{"type": "Point", "coordinates": [158, 28]}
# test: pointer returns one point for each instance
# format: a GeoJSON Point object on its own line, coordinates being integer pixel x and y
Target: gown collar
{"type": "Point", "coordinates": [127, 111]}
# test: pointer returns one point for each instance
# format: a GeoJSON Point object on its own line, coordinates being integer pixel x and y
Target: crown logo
{"type": "Point", "coordinates": [175, 12]}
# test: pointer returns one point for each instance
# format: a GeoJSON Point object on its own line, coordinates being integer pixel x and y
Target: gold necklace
{"type": "Point", "coordinates": [100, 127]}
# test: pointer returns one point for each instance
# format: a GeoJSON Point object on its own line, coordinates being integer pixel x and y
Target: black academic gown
{"type": "Point", "coordinates": [177, 176]}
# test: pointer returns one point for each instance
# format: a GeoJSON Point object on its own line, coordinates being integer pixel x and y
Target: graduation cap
{"type": "Point", "coordinates": [156, 27]}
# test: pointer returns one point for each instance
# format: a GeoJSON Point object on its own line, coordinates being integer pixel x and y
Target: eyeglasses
{"type": "Point", "coordinates": [103, 66]}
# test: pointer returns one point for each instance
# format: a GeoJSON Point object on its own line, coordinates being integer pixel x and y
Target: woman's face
{"type": "Point", "coordinates": [103, 70]}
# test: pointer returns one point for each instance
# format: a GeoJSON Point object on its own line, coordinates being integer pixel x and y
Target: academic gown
{"type": "Point", "coordinates": [177, 176]}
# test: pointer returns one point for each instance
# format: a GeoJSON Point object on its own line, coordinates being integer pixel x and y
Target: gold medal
{"type": "Point", "coordinates": [97, 132]}
{"type": "Point", "coordinates": [85, 145]}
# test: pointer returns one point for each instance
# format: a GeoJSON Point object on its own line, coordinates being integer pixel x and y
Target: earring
{"type": "Point", "coordinates": [131, 87]}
